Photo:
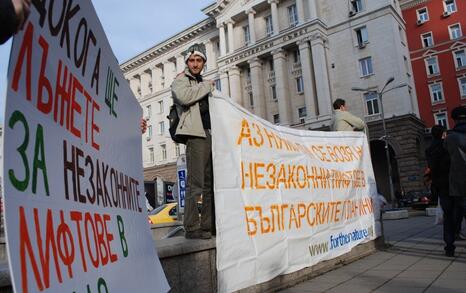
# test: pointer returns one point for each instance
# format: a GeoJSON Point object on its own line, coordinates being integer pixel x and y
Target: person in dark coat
{"type": "Point", "coordinates": [13, 15]}
{"type": "Point", "coordinates": [438, 161]}
{"type": "Point", "coordinates": [455, 144]}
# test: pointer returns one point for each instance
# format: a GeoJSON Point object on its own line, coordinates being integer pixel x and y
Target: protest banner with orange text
{"type": "Point", "coordinates": [285, 199]}
{"type": "Point", "coordinates": [74, 193]}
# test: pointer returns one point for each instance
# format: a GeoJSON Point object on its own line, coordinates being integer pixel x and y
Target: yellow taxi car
{"type": "Point", "coordinates": [165, 213]}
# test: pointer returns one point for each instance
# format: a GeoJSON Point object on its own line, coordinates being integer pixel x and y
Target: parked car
{"type": "Point", "coordinates": [165, 213]}
{"type": "Point", "coordinates": [417, 199]}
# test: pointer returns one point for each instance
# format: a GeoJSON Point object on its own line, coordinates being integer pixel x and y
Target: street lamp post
{"type": "Point", "coordinates": [385, 136]}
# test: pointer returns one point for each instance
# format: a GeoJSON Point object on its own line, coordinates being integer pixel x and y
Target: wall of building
{"type": "Point", "coordinates": [443, 48]}
{"type": "Point", "coordinates": [329, 62]}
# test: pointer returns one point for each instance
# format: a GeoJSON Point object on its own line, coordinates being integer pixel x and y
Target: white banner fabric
{"type": "Point", "coordinates": [285, 199]}
{"type": "Point", "coordinates": [74, 194]}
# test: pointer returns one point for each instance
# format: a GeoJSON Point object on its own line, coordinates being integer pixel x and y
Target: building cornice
{"type": "Point", "coordinates": [411, 3]}
{"type": "Point", "coordinates": [168, 45]}
{"type": "Point", "coordinates": [217, 8]}
{"type": "Point", "coordinates": [282, 39]}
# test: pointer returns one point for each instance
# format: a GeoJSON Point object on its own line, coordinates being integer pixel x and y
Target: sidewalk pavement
{"type": "Point", "coordinates": [414, 261]}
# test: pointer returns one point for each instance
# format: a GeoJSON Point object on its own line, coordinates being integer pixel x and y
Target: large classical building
{"type": "Point", "coordinates": [287, 61]}
{"type": "Point", "coordinates": [437, 48]}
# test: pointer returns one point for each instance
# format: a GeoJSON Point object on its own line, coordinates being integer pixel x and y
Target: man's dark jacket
{"type": "Point", "coordinates": [455, 143]}
{"type": "Point", "coordinates": [438, 160]}
{"type": "Point", "coordinates": [8, 20]}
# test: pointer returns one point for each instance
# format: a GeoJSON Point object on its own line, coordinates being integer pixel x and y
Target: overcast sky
{"type": "Point", "coordinates": [131, 27]}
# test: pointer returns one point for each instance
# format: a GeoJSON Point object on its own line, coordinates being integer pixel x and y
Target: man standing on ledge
{"type": "Point", "coordinates": [344, 120]}
{"type": "Point", "coordinates": [191, 94]}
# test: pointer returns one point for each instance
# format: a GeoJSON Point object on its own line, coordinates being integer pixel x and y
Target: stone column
{"type": "Point", "coordinates": [231, 40]}
{"type": "Point", "coordinates": [322, 79]}
{"type": "Point", "coordinates": [211, 62]}
{"type": "Point", "coordinates": [235, 84]}
{"type": "Point", "coordinates": [134, 85]}
{"type": "Point", "coordinates": [180, 65]}
{"type": "Point", "coordinates": [308, 78]}
{"type": "Point", "coordinates": [169, 73]}
{"type": "Point", "coordinates": [281, 78]}
{"type": "Point", "coordinates": [300, 8]}
{"type": "Point", "coordinates": [312, 9]}
{"type": "Point", "coordinates": [145, 80]}
{"type": "Point", "coordinates": [252, 31]}
{"type": "Point", "coordinates": [257, 83]}
{"type": "Point", "coordinates": [274, 9]}
{"type": "Point", "coordinates": [224, 82]}
{"type": "Point", "coordinates": [156, 79]}
{"type": "Point", "coordinates": [223, 45]}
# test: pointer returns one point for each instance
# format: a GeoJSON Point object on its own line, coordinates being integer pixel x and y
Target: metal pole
{"type": "Point", "coordinates": [387, 153]}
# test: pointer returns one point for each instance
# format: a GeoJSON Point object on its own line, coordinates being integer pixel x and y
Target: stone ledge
{"type": "Point", "coordinates": [177, 254]}
{"type": "Point", "coordinates": [179, 245]}
{"type": "Point", "coordinates": [395, 215]}
{"type": "Point", "coordinates": [431, 212]}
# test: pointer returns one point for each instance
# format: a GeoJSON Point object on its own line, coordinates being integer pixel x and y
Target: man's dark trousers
{"type": "Point", "coordinates": [200, 181]}
{"type": "Point", "coordinates": [452, 207]}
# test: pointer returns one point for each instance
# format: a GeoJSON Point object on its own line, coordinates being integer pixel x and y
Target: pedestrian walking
{"type": "Point", "coordinates": [455, 144]}
{"type": "Point", "coordinates": [438, 161]}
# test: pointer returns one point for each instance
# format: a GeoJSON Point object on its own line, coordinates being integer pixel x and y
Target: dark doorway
{"type": "Point", "coordinates": [379, 164]}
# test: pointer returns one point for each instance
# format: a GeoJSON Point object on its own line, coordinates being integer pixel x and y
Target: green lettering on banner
{"type": "Point", "coordinates": [39, 156]}
{"type": "Point", "coordinates": [39, 163]}
{"type": "Point", "coordinates": [21, 185]}
{"type": "Point", "coordinates": [100, 283]}
{"type": "Point", "coordinates": [121, 231]}
{"type": "Point", "coordinates": [110, 94]}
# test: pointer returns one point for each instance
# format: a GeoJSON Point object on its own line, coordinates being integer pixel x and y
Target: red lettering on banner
{"type": "Point", "coordinates": [61, 245]}
{"type": "Point", "coordinates": [67, 98]}
{"type": "Point", "coordinates": [94, 260]}
{"type": "Point", "coordinates": [50, 243]}
{"type": "Point", "coordinates": [24, 52]}
{"type": "Point", "coordinates": [77, 217]}
{"type": "Point", "coordinates": [25, 247]}
{"type": "Point", "coordinates": [44, 82]}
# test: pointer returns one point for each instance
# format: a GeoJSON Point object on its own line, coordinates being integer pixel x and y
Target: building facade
{"type": "Point", "coordinates": [437, 48]}
{"type": "Point", "coordinates": [287, 61]}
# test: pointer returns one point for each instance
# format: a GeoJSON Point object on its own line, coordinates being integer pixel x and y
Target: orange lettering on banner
{"type": "Point", "coordinates": [258, 175]}
{"type": "Point", "coordinates": [258, 130]}
{"type": "Point", "coordinates": [245, 133]}
{"type": "Point", "coordinates": [271, 136]}
{"type": "Point", "coordinates": [277, 217]}
{"type": "Point", "coordinates": [251, 232]}
{"type": "Point", "coordinates": [271, 171]}
{"type": "Point", "coordinates": [315, 213]}
{"type": "Point", "coordinates": [262, 175]}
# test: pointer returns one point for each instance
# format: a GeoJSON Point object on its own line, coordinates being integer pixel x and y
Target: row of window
{"type": "Point", "coordinates": [160, 132]}
{"type": "Point", "coordinates": [449, 7]}
{"type": "Point", "coordinates": [454, 31]}
{"type": "Point", "coordinates": [433, 68]}
{"type": "Point", "coordinates": [356, 6]}
{"type": "Point", "coordinates": [163, 152]}
{"type": "Point", "coordinates": [292, 22]}
{"type": "Point", "coordinates": [160, 109]}
{"type": "Point", "coordinates": [301, 116]}
{"type": "Point", "coordinates": [436, 90]}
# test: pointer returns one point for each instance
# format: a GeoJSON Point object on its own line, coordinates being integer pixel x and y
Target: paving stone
{"type": "Point", "coordinates": [415, 262]}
